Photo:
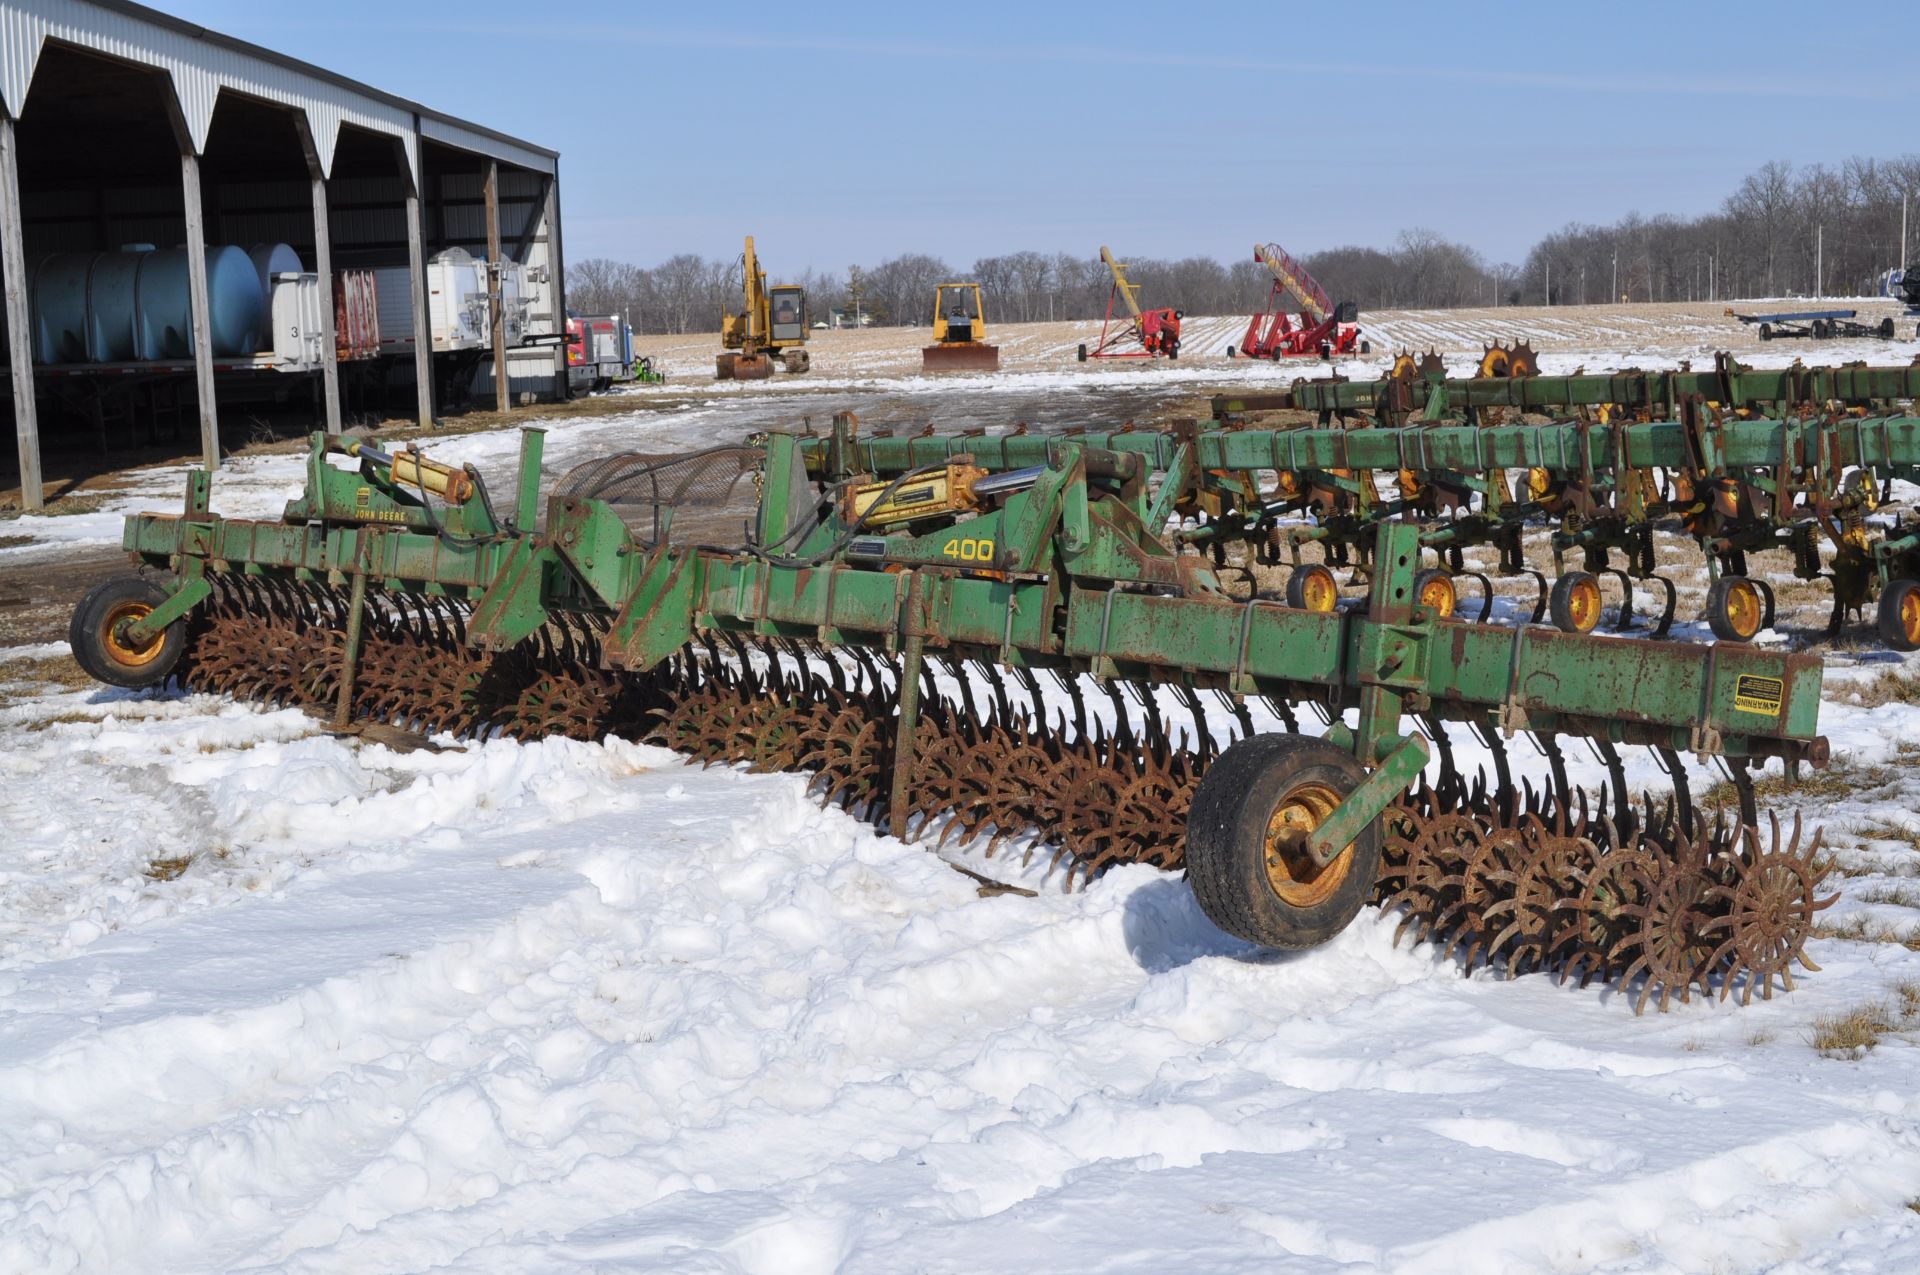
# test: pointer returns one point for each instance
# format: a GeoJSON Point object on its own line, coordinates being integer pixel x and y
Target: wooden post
{"type": "Point", "coordinates": [329, 339]}
{"type": "Point", "coordinates": [422, 333]}
{"type": "Point", "coordinates": [502, 385]}
{"type": "Point", "coordinates": [13, 258]}
{"type": "Point", "coordinates": [197, 295]}
{"type": "Point", "coordinates": [557, 283]}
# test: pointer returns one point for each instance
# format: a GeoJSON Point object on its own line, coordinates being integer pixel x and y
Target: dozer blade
{"type": "Point", "coordinates": [960, 358]}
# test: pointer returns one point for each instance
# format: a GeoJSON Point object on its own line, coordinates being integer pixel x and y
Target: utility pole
{"type": "Point", "coordinates": [1614, 294]}
{"type": "Point", "coordinates": [1819, 263]}
{"type": "Point", "coordinates": [1549, 280]}
{"type": "Point", "coordinates": [1903, 234]}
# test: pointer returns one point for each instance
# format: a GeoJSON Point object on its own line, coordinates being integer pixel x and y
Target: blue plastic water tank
{"type": "Point", "coordinates": [59, 307]}
{"type": "Point", "coordinates": [110, 293]}
{"type": "Point", "coordinates": [113, 307]}
{"type": "Point", "coordinates": [236, 305]}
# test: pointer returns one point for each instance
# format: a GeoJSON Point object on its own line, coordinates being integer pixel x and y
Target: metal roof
{"type": "Point", "coordinates": [200, 63]}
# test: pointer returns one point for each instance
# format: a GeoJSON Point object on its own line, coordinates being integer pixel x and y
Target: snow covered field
{"type": "Point", "coordinates": [272, 1000]}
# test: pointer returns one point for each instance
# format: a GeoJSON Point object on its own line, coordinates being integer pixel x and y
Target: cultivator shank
{"type": "Point", "coordinates": [993, 646]}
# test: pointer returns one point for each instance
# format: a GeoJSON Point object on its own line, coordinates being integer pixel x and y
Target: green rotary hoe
{"type": "Point", "coordinates": [1822, 494]}
{"type": "Point", "coordinates": [1018, 646]}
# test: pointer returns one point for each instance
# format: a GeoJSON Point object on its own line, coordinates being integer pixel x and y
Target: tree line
{"type": "Point", "coordinates": [1783, 231]}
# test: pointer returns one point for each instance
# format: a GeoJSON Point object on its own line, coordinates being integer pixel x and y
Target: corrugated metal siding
{"type": "Point", "coordinates": [198, 69]}
{"type": "Point", "coordinates": [467, 139]}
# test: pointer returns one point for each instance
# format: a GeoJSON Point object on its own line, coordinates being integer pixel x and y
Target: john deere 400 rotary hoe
{"type": "Point", "coordinates": [1014, 645]}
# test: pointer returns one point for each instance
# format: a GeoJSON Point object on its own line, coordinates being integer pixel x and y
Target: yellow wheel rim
{"type": "Point", "coordinates": [1539, 483]}
{"type": "Point", "coordinates": [1583, 605]}
{"type": "Point", "coordinates": [1291, 871]}
{"type": "Point", "coordinates": [1910, 616]}
{"type": "Point", "coordinates": [1743, 608]}
{"type": "Point", "coordinates": [1438, 593]}
{"type": "Point", "coordinates": [118, 649]}
{"type": "Point", "coordinates": [1319, 590]}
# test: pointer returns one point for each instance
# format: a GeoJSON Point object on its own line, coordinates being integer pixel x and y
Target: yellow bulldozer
{"type": "Point", "coordinates": [773, 321]}
{"type": "Point", "coordinates": [959, 332]}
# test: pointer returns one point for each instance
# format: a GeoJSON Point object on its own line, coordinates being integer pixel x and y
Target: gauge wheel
{"type": "Point", "coordinates": [100, 642]}
{"type": "Point", "coordinates": [1247, 834]}
{"type": "Point", "coordinates": [1900, 615]}
{"type": "Point", "coordinates": [1434, 588]}
{"type": "Point", "coordinates": [1574, 605]}
{"type": "Point", "coordinates": [1313, 588]}
{"type": "Point", "coordinates": [1735, 609]}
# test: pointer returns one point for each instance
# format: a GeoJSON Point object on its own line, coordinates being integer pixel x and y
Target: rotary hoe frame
{"type": "Point", "coordinates": [988, 642]}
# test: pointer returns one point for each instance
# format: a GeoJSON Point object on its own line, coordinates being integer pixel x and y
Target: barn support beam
{"type": "Point", "coordinates": [329, 341]}
{"type": "Point", "coordinates": [501, 384]}
{"type": "Point", "coordinates": [197, 295]}
{"type": "Point", "coordinates": [416, 171]}
{"type": "Point", "coordinates": [13, 259]}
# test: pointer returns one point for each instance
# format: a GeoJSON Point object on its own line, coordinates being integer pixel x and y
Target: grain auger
{"type": "Point", "coordinates": [995, 646]}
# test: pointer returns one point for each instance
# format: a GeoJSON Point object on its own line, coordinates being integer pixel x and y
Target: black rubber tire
{"type": "Point", "coordinates": [1886, 329]}
{"type": "Point", "coordinates": [1892, 632]}
{"type": "Point", "coordinates": [1560, 602]}
{"type": "Point", "coordinates": [1366, 347]}
{"type": "Point", "coordinates": [1717, 617]}
{"type": "Point", "coordinates": [1226, 841]}
{"type": "Point", "coordinates": [1173, 349]}
{"type": "Point", "coordinates": [88, 631]}
{"type": "Point", "coordinates": [1297, 584]}
{"type": "Point", "coordinates": [1083, 353]}
{"type": "Point", "coordinates": [1766, 332]}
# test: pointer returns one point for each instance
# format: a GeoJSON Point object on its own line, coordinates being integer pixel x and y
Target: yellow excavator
{"type": "Point", "coordinates": [774, 321]}
{"type": "Point", "coordinates": [959, 332]}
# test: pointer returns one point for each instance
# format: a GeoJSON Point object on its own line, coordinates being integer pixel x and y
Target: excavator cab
{"type": "Point", "coordinates": [789, 312]}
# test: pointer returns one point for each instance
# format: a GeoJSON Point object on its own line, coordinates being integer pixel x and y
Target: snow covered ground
{"type": "Point", "coordinates": [272, 1000]}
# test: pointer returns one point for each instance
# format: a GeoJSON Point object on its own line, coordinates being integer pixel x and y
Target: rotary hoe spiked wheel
{"type": "Point", "coordinates": [1488, 877]}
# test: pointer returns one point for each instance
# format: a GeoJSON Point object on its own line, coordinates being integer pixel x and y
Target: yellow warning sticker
{"type": "Point", "coordinates": [1755, 694]}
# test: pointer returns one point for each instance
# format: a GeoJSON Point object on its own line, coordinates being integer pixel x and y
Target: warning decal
{"type": "Point", "coordinates": [1755, 694]}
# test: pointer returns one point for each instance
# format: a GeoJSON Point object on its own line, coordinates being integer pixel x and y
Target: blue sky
{"type": "Point", "coordinates": [850, 132]}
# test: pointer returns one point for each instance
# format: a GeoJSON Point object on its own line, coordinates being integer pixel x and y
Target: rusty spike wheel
{"type": "Point", "coordinates": [1768, 914]}
{"type": "Point", "coordinates": [107, 652]}
{"type": "Point", "coordinates": [1667, 944]}
{"type": "Point", "coordinates": [1247, 858]}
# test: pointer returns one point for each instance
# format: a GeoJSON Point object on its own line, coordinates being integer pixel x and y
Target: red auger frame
{"type": "Point", "coordinates": [1320, 328]}
{"type": "Point", "coordinates": [1154, 332]}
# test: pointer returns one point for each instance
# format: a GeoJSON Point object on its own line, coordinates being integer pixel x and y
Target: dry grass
{"type": "Point", "coordinates": [169, 869]}
{"type": "Point", "coordinates": [1895, 686]}
{"type": "Point", "coordinates": [1858, 929]}
{"type": "Point", "coordinates": [1760, 1036]}
{"type": "Point", "coordinates": [84, 502]}
{"type": "Point", "coordinates": [1901, 895]}
{"type": "Point", "coordinates": [1849, 1035]}
{"type": "Point", "coordinates": [1839, 780]}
